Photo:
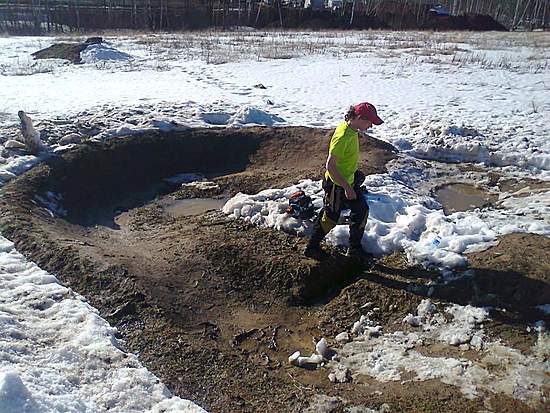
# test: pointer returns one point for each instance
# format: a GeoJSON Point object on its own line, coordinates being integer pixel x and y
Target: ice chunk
{"type": "Point", "coordinates": [372, 331]}
{"type": "Point", "coordinates": [343, 338]}
{"type": "Point", "coordinates": [412, 320]}
{"type": "Point", "coordinates": [323, 349]}
{"type": "Point", "coordinates": [293, 358]}
{"type": "Point", "coordinates": [425, 308]}
{"type": "Point", "coordinates": [300, 361]}
{"type": "Point", "coordinates": [341, 375]}
{"type": "Point", "coordinates": [14, 395]}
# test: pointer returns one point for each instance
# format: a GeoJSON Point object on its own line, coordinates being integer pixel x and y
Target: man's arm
{"type": "Point", "coordinates": [338, 178]}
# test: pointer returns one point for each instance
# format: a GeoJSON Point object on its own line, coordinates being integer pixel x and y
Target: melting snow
{"type": "Point", "coordinates": [387, 356]}
{"type": "Point", "coordinates": [399, 220]}
{"type": "Point", "coordinates": [101, 52]}
{"type": "Point", "coordinates": [54, 347]}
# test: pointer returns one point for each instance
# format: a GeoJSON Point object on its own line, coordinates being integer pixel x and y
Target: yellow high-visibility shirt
{"type": "Point", "coordinates": [345, 145]}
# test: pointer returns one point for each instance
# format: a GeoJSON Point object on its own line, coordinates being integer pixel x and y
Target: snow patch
{"type": "Point", "coordinates": [465, 321]}
{"type": "Point", "coordinates": [385, 357]}
{"type": "Point", "coordinates": [14, 395]}
{"type": "Point", "coordinates": [55, 350]}
{"type": "Point", "coordinates": [102, 52]}
{"type": "Point", "coordinates": [247, 116]}
{"type": "Point", "coordinates": [399, 220]}
{"type": "Point", "coordinates": [502, 144]}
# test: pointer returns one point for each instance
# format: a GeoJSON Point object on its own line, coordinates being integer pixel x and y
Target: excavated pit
{"type": "Point", "coordinates": [171, 273]}
{"type": "Point", "coordinates": [215, 306]}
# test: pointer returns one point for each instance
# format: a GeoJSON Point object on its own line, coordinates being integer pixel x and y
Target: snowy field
{"type": "Point", "coordinates": [456, 105]}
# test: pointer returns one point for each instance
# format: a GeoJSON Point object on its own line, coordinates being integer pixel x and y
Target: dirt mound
{"type": "Point", "coordinates": [477, 22]}
{"type": "Point", "coordinates": [215, 306]}
{"type": "Point", "coordinates": [484, 22]}
{"type": "Point", "coordinates": [67, 51]}
{"type": "Point", "coordinates": [189, 286]}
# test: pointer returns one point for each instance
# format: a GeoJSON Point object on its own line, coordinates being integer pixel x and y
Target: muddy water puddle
{"type": "Point", "coordinates": [462, 197]}
{"type": "Point", "coordinates": [193, 206]}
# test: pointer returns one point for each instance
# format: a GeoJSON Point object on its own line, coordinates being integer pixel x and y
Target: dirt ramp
{"type": "Point", "coordinates": [212, 305]}
{"type": "Point", "coordinates": [67, 51]}
{"type": "Point", "coordinates": [246, 160]}
{"type": "Point", "coordinates": [100, 173]}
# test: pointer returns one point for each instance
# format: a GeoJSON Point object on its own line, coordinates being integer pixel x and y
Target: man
{"type": "Point", "coordinates": [342, 182]}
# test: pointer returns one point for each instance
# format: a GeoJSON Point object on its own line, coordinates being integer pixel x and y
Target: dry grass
{"type": "Point", "coordinates": [443, 49]}
{"type": "Point", "coordinates": [462, 48]}
{"type": "Point", "coordinates": [23, 68]}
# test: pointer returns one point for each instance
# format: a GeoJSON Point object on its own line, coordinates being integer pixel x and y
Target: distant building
{"type": "Point", "coordinates": [314, 4]}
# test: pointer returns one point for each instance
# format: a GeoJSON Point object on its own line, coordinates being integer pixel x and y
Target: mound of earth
{"type": "Point", "coordinates": [215, 306]}
{"type": "Point", "coordinates": [478, 22]}
{"type": "Point", "coordinates": [66, 51]}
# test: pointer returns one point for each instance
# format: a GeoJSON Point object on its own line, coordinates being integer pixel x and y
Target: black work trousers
{"type": "Point", "coordinates": [334, 202]}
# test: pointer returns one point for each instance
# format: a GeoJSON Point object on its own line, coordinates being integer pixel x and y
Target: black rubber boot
{"type": "Point", "coordinates": [313, 249]}
{"type": "Point", "coordinates": [357, 253]}
{"type": "Point", "coordinates": [315, 252]}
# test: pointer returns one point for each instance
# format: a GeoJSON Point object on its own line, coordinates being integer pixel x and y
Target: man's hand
{"type": "Point", "coordinates": [338, 178]}
{"type": "Point", "coordinates": [350, 193]}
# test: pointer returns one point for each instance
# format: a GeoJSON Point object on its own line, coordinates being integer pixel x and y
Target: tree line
{"type": "Point", "coordinates": [39, 16]}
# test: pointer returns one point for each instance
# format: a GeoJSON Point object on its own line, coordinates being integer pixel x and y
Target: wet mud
{"type": "Point", "coordinates": [463, 197]}
{"type": "Point", "coordinates": [215, 306]}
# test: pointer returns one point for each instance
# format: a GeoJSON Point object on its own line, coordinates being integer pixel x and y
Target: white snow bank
{"type": "Point", "coordinates": [399, 220]}
{"type": "Point", "coordinates": [58, 355]}
{"type": "Point", "coordinates": [102, 52]}
{"type": "Point", "coordinates": [518, 141]}
{"type": "Point", "coordinates": [267, 208]}
{"type": "Point", "coordinates": [148, 126]}
{"type": "Point", "coordinates": [244, 116]}
{"type": "Point", "coordinates": [247, 116]}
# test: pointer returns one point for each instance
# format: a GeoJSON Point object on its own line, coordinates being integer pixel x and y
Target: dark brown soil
{"type": "Point", "coordinates": [66, 51]}
{"type": "Point", "coordinates": [214, 306]}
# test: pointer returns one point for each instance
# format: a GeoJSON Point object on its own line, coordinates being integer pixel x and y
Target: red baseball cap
{"type": "Point", "coordinates": [368, 111]}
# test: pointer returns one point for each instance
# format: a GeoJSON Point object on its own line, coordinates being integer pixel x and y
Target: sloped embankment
{"type": "Point", "coordinates": [213, 306]}
{"type": "Point", "coordinates": [67, 51]}
{"type": "Point", "coordinates": [186, 293]}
